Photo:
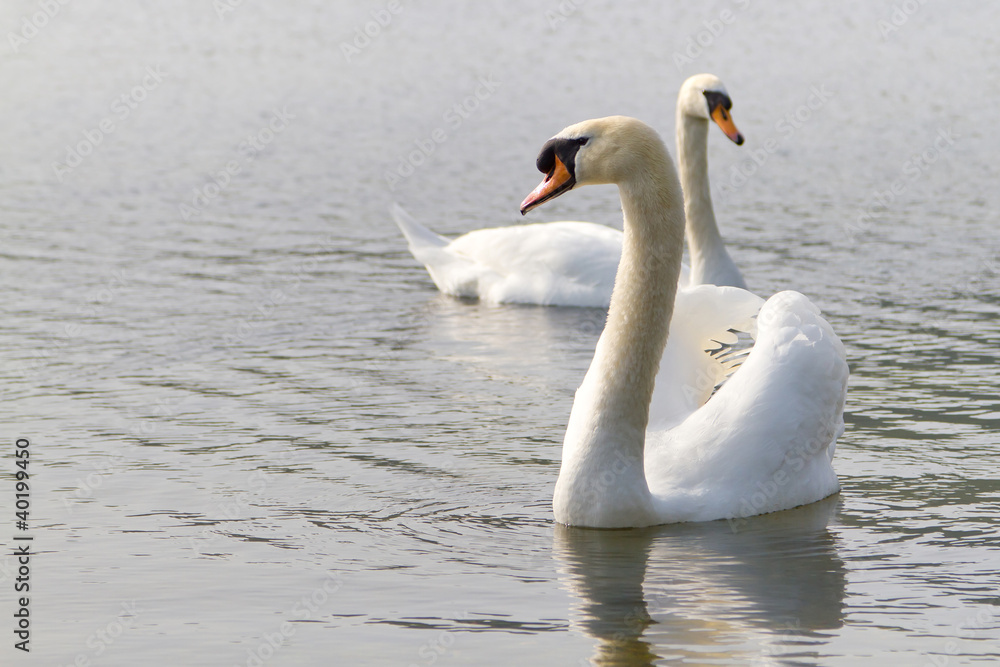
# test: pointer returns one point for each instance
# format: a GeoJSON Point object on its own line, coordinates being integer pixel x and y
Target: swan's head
{"type": "Point", "coordinates": [604, 150]}
{"type": "Point", "coordinates": [703, 96]}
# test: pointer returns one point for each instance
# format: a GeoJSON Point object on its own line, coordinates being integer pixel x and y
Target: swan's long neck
{"type": "Point", "coordinates": [710, 263]}
{"type": "Point", "coordinates": [642, 303]}
{"type": "Point", "coordinates": [602, 481]}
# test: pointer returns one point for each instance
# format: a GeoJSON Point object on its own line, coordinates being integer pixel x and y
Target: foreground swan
{"type": "Point", "coordinates": [633, 456]}
{"type": "Point", "coordinates": [574, 263]}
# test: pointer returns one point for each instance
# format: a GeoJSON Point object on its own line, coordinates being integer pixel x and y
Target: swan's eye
{"type": "Point", "coordinates": [581, 141]}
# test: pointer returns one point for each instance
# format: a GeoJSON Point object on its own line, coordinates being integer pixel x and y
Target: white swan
{"type": "Point", "coordinates": [633, 456]}
{"type": "Point", "coordinates": [574, 263]}
{"type": "Point", "coordinates": [703, 97]}
{"type": "Point", "coordinates": [550, 263]}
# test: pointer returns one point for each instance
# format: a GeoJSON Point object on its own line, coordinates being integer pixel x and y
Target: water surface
{"type": "Point", "coordinates": [260, 436]}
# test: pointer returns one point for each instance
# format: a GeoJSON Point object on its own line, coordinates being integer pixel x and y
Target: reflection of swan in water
{"type": "Point", "coordinates": [703, 591]}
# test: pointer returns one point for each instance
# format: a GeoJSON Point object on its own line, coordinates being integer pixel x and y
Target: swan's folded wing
{"type": "Point", "coordinates": [704, 332]}
{"type": "Point", "coordinates": [765, 440]}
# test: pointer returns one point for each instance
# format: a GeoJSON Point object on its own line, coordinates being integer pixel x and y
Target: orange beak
{"type": "Point", "coordinates": [556, 182]}
{"type": "Point", "coordinates": [725, 122]}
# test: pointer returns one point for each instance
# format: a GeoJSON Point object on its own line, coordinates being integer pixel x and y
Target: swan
{"type": "Point", "coordinates": [648, 442]}
{"type": "Point", "coordinates": [703, 97]}
{"type": "Point", "coordinates": [574, 263]}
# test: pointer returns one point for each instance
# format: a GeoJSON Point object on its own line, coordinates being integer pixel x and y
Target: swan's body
{"type": "Point", "coordinates": [644, 446]}
{"type": "Point", "coordinates": [574, 263]}
{"type": "Point", "coordinates": [550, 264]}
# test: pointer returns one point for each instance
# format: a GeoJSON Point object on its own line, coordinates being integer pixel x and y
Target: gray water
{"type": "Point", "coordinates": [259, 436]}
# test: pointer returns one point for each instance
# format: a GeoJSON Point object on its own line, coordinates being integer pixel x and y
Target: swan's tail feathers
{"type": "Point", "coordinates": [418, 236]}
{"type": "Point", "coordinates": [452, 272]}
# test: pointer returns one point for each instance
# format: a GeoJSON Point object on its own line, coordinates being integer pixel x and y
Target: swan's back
{"type": "Point", "coordinates": [554, 263]}
{"type": "Point", "coordinates": [557, 263]}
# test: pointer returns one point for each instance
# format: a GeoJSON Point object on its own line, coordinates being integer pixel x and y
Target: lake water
{"type": "Point", "coordinates": [259, 436]}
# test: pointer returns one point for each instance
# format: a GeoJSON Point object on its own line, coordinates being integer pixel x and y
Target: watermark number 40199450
{"type": "Point", "coordinates": [22, 544]}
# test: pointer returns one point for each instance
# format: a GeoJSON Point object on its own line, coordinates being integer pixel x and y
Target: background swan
{"type": "Point", "coordinates": [703, 98]}
{"type": "Point", "coordinates": [574, 263]}
{"type": "Point", "coordinates": [762, 442]}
